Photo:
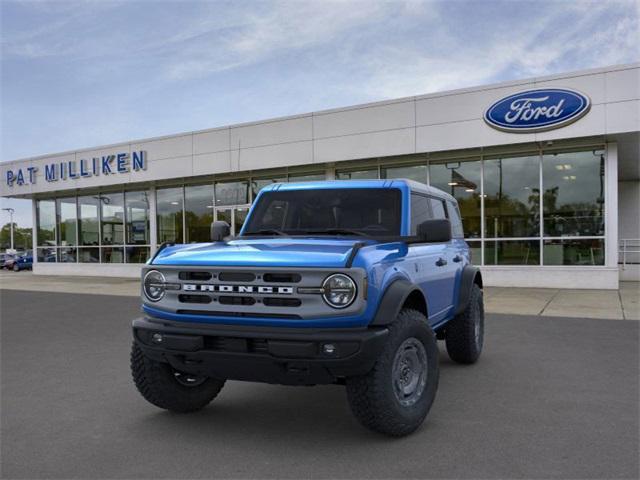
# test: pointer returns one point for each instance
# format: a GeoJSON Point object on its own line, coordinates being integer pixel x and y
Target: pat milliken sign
{"type": "Point", "coordinates": [537, 110]}
{"type": "Point", "coordinates": [105, 165]}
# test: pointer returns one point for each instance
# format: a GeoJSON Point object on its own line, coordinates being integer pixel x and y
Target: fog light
{"type": "Point", "coordinates": [329, 348]}
{"type": "Point", "coordinates": [156, 338]}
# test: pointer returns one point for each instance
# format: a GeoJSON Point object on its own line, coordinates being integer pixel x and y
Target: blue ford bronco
{"type": "Point", "coordinates": [345, 282]}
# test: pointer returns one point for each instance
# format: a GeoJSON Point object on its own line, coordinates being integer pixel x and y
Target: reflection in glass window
{"type": "Point", "coordinates": [169, 209]}
{"type": "Point", "coordinates": [232, 193]}
{"type": "Point", "coordinates": [67, 255]}
{"type": "Point", "coordinates": [198, 212]}
{"type": "Point", "coordinates": [88, 220]}
{"type": "Point", "coordinates": [574, 252]}
{"type": "Point", "coordinates": [437, 208]}
{"type": "Point", "coordinates": [368, 174]}
{"type": "Point", "coordinates": [512, 252]}
{"type": "Point", "coordinates": [89, 255]}
{"type": "Point", "coordinates": [573, 198]}
{"type": "Point", "coordinates": [47, 254]}
{"type": "Point", "coordinates": [67, 212]}
{"type": "Point", "coordinates": [258, 184]}
{"type": "Point", "coordinates": [137, 218]}
{"type": "Point", "coordinates": [46, 218]}
{"type": "Point", "coordinates": [462, 181]}
{"type": "Point", "coordinates": [454, 217]}
{"type": "Point", "coordinates": [137, 254]}
{"type": "Point", "coordinates": [412, 172]}
{"type": "Point", "coordinates": [112, 254]}
{"type": "Point", "coordinates": [512, 197]}
{"type": "Point", "coordinates": [475, 249]}
{"type": "Point", "coordinates": [112, 218]}
{"type": "Point", "coordinates": [308, 177]}
{"type": "Point", "coordinates": [420, 211]}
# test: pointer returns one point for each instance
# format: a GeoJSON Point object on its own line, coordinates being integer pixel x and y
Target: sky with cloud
{"type": "Point", "coordinates": [81, 74]}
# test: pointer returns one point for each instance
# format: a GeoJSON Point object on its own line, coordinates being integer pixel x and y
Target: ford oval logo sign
{"type": "Point", "coordinates": [537, 110]}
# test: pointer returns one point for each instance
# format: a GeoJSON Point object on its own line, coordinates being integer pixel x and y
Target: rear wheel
{"type": "Point", "coordinates": [464, 335]}
{"type": "Point", "coordinates": [16, 268]}
{"type": "Point", "coordinates": [163, 386]}
{"type": "Point", "coordinates": [396, 395]}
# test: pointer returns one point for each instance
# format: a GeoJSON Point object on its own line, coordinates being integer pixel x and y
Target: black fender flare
{"type": "Point", "coordinates": [470, 275]}
{"type": "Point", "coordinates": [392, 301]}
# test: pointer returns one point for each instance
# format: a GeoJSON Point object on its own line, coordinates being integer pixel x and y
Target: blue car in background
{"type": "Point", "coordinates": [23, 262]}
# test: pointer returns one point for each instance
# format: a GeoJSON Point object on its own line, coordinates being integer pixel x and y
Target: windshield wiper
{"type": "Point", "coordinates": [338, 231]}
{"type": "Point", "coordinates": [267, 231]}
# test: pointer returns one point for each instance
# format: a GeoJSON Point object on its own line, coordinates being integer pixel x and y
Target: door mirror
{"type": "Point", "coordinates": [435, 231]}
{"type": "Point", "coordinates": [219, 230]}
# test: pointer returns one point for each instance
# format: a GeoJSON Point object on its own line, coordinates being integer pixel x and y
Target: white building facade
{"type": "Point", "coordinates": [546, 172]}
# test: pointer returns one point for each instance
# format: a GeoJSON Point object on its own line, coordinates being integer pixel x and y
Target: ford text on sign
{"type": "Point", "coordinates": [537, 110]}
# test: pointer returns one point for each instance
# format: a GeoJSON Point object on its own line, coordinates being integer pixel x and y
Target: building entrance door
{"type": "Point", "coordinates": [234, 216]}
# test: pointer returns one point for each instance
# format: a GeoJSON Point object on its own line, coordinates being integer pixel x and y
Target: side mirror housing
{"type": "Point", "coordinates": [435, 231]}
{"type": "Point", "coordinates": [219, 230]}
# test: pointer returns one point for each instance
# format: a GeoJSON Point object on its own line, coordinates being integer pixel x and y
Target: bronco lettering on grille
{"type": "Point", "coordinates": [192, 287]}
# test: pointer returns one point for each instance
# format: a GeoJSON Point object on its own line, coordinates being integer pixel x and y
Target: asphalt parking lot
{"type": "Point", "coordinates": [550, 398]}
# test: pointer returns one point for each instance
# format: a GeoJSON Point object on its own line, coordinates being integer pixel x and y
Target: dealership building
{"type": "Point", "coordinates": [546, 172]}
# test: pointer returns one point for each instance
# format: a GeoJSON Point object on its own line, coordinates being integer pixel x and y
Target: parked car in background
{"type": "Point", "coordinates": [7, 260]}
{"type": "Point", "coordinates": [23, 262]}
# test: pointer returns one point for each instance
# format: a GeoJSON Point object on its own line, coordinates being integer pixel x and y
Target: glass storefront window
{"type": "Point", "coordinates": [137, 218]}
{"type": "Point", "coordinates": [574, 252]}
{"type": "Point", "coordinates": [232, 193]}
{"type": "Point", "coordinates": [46, 218]}
{"type": "Point", "coordinates": [47, 254]}
{"type": "Point", "coordinates": [88, 220]}
{"type": "Point", "coordinates": [67, 222]}
{"type": "Point", "coordinates": [67, 255]}
{"type": "Point", "coordinates": [462, 181]}
{"type": "Point", "coordinates": [258, 184]}
{"type": "Point", "coordinates": [137, 254]}
{"type": "Point", "coordinates": [112, 255]}
{"type": "Point", "coordinates": [512, 197]}
{"type": "Point", "coordinates": [512, 252]}
{"type": "Point", "coordinates": [89, 255]}
{"type": "Point", "coordinates": [198, 212]}
{"type": "Point", "coordinates": [366, 174]}
{"type": "Point", "coordinates": [112, 218]}
{"type": "Point", "coordinates": [475, 247]}
{"type": "Point", "coordinates": [308, 177]}
{"type": "Point", "coordinates": [412, 172]}
{"type": "Point", "coordinates": [573, 198]}
{"type": "Point", "coordinates": [169, 208]}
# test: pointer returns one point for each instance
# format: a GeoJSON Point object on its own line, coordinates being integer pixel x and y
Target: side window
{"type": "Point", "coordinates": [420, 211]}
{"type": "Point", "coordinates": [456, 222]}
{"type": "Point", "coordinates": [438, 209]}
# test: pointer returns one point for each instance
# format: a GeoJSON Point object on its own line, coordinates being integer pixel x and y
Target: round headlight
{"type": "Point", "coordinates": [339, 291]}
{"type": "Point", "coordinates": [153, 285]}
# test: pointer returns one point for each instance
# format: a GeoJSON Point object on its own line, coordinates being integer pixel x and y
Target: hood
{"type": "Point", "coordinates": [276, 252]}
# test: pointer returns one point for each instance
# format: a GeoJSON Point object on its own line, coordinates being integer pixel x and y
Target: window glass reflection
{"type": "Point", "coordinates": [573, 198]}
{"type": "Point", "coordinates": [198, 212]}
{"type": "Point", "coordinates": [112, 255]}
{"type": "Point", "coordinates": [169, 208]}
{"type": "Point", "coordinates": [89, 255]}
{"type": "Point", "coordinates": [67, 212]}
{"type": "Point", "coordinates": [512, 252]}
{"type": "Point", "coordinates": [47, 254]}
{"type": "Point", "coordinates": [137, 254]}
{"type": "Point", "coordinates": [258, 184]}
{"type": "Point", "coordinates": [46, 218]}
{"type": "Point", "coordinates": [232, 193]}
{"type": "Point", "coordinates": [368, 174]}
{"type": "Point", "coordinates": [512, 197]}
{"type": "Point", "coordinates": [412, 172]}
{"type": "Point", "coordinates": [574, 252]}
{"type": "Point", "coordinates": [308, 177]}
{"type": "Point", "coordinates": [112, 206]}
{"type": "Point", "coordinates": [137, 218]}
{"type": "Point", "coordinates": [88, 220]}
{"type": "Point", "coordinates": [462, 181]}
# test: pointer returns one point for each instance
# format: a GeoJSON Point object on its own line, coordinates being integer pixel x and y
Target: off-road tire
{"type": "Point", "coordinates": [464, 342]}
{"type": "Point", "coordinates": [157, 384]}
{"type": "Point", "coordinates": [372, 398]}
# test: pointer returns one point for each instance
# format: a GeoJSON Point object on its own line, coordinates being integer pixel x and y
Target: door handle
{"type": "Point", "coordinates": [457, 258]}
{"type": "Point", "coordinates": [441, 262]}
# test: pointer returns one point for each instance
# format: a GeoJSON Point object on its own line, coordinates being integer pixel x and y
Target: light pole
{"type": "Point", "coordinates": [11, 212]}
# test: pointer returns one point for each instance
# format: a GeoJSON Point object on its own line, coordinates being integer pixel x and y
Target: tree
{"type": "Point", "coordinates": [21, 237]}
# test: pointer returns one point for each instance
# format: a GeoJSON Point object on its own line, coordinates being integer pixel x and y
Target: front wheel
{"type": "Point", "coordinates": [16, 268]}
{"type": "Point", "coordinates": [396, 395]}
{"type": "Point", "coordinates": [163, 386]}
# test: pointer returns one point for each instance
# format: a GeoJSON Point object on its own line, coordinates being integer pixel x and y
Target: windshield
{"type": "Point", "coordinates": [340, 211]}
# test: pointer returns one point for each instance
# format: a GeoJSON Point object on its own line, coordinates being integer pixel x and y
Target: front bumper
{"type": "Point", "coordinates": [290, 356]}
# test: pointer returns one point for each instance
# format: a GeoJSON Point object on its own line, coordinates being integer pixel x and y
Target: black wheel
{"type": "Point", "coordinates": [16, 268]}
{"type": "Point", "coordinates": [396, 395]}
{"type": "Point", "coordinates": [464, 335]}
{"type": "Point", "coordinates": [167, 388]}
